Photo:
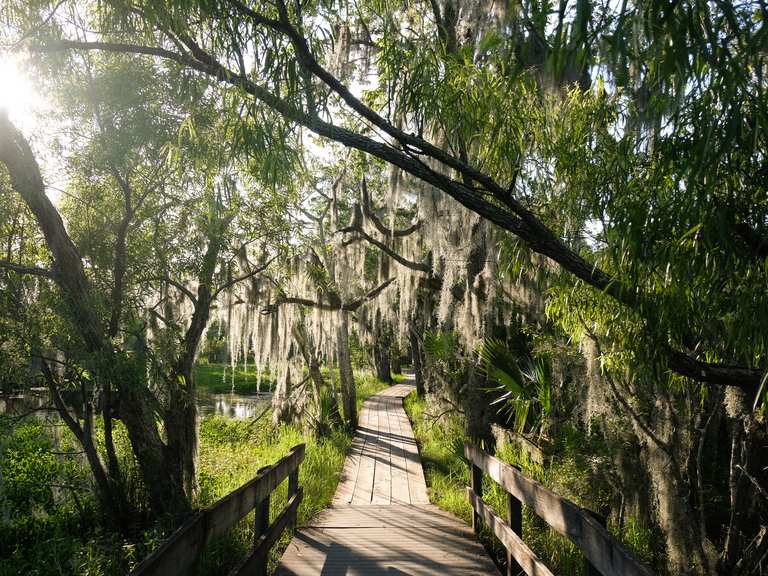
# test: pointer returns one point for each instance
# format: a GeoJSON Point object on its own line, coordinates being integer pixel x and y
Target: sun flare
{"type": "Point", "coordinates": [18, 95]}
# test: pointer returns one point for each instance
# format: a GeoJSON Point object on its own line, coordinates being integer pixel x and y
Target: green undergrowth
{"type": "Point", "coordinates": [49, 523]}
{"type": "Point", "coordinates": [231, 451]}
{"type": "Point", "coordinates": [368, 385]}
{"type": "Point", "coordinates": [447, 474]}
{"type": "Point", "coordinates": [398, 378]}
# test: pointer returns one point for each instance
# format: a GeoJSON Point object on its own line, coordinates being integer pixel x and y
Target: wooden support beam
{"type": "Point", "coordinates": [256, 562]}
{"type": "Point", "coordinates": [523, 556]}
{"type": "Point", "coordinates": [477, 487]}
{"type": "Point", "coordinates": [602, 550]}
{"type": "Point", "coordinates": [515, 521]}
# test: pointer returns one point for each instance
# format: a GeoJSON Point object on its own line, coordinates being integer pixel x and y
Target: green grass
{"type": "Point", "coordinates": [217, 379]}
{"type": "Point", "coordinates": [447, 475]}
{"type": "Point", "coordinates": [231, 452]}
{"type": "Point", "coordinates": [367, 385]}
{"type": "Point", "coordinates": [75, 542]}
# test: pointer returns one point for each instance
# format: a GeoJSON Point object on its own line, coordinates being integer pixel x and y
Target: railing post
{"type": "Point", "coordinates": [293, 488]}
{"type": "Point", "coordinates": [477, 488]}
{"type": "Point", "coordinates": [261, 523]}
{"type": "Point", "coordinates": [515, 521]}
{"type": "Point", "coordinates": [589, 569]}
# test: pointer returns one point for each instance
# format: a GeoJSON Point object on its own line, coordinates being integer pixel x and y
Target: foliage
{"type": "Point", "coordinates": [519, 388]}
{"type": "Point", "coordinates": [569, 473]}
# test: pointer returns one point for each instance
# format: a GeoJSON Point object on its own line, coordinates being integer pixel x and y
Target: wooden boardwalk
{"type": "Point", "coordinates": [381, 522]}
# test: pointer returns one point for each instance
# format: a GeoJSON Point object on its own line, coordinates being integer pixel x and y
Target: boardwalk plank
{"type": "Point", "coordinates": [381, 522]}
{"type": "Point", "coordinates": [382, 478]}
{"type": "Point", "coordinates": [364, 483]}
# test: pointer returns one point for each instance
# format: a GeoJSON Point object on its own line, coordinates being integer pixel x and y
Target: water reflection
{"type": "Point", "coordinates": [36, 402]}
{"type": "Point", "coordinates": [233, 405]}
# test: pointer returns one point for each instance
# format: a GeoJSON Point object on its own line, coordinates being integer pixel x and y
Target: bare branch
{"type": "Point", "coordinates": [178, 285]}
{"type": "Point", "coordinates": [250, 274]}
{"type": "Point", "coordinates": [345, 306]}
{"type": "Point", "coordinates": [371, 215]}
{"type": "Point", "coordinates": [354, 305]}
{"type": "Point", "coordinates": [418, 266]}
{"type": "Point", "coordinates": [32, 270]}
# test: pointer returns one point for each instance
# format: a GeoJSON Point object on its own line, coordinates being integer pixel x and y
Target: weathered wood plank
{"type": "Point", "coordinates": [346, 487]}
{"type": "Point", "coordinates": [597, 544]}
{"type": "Point", "coordinates": [363, 491]}
{"type": "Point", "coordinates": [518, 549]}
{"type": "Point", "coordinates": [384, 541]}
{"type": "Point", "coordinates": [382, 476]}
{"type": "Point", "coordinates": [224, 513]}
{"type": "Point", "coordinates": [400, 491]}
{"type": "Point", "coordinates": [178, 554]}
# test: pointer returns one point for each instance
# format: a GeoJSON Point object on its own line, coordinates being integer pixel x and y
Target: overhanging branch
{"type": "Point", "coordinates": [515, 218]}
{"type": "Point", "coordinates": [344, 306]}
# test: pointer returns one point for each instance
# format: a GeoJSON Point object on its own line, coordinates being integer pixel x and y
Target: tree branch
{"type": "Point", "coordinates": [518, 220]}
{"type": "Point", "coordinates": [344, 306]}
{"type": "Point", "coordinates": [32, 270]}
{"type": "Point", "coordinates": [418, 266]}
{"type": "Point", "coordinates": [178, 285]}
{"type": "Point", "coordinates": [385, 230]}
{"type": "Point", "coordinates": [250, 274]}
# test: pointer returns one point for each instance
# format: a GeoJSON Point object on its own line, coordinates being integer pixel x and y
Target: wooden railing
{"type": "Point", "coordinates": [603, 555]}
{"type": "Point", "coordinates": [180, 554]}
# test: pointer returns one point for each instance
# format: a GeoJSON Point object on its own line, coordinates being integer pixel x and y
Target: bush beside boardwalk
{"type": "Point", "coordinates": [48, 521]}
{"type": "Point", "coordinates": [441, 446]}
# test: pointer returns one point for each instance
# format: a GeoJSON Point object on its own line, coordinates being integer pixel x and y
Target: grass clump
{"type": "Point", "coordinates": [231, 451]}
{"type": "Point", "coordinates": [368, 385]}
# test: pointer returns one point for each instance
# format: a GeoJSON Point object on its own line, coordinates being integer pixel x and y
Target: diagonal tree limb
{"type": "Point", "coordinates": [341, 306]}
{"type": "Point", "coordinates": [518, 220]}
{"type": "Point", "coordinates": [418, 266]}
{"type": "Point", "coordinates": [376, 221]}
{"type": "Point", "coordinates": [245, 276]}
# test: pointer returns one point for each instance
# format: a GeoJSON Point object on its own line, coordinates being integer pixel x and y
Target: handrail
{"type": "Point", "coordinates": [602, 552]}
{"type": "Point", "coordinates": [180, 553]}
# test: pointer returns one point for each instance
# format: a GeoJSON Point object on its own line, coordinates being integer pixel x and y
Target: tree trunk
{"type": "Point", "coordinates": [181, 431]}
{"type": "Point", "coordinates": [112, 502]}
{"type": "Point", "coordinates": [381, 360]}
{"type": "Point", "coordinates": [137, 403]}
{"type": "Point", "coordinates": [346, 375]}
{"type": "Point", "coordinates": [418, 366]}
{"type": "Point", "coordinates": [315, 375]}
{"type": "Point", "coordinates": [396, 362]}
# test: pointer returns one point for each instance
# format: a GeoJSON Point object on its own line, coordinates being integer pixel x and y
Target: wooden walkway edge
{"type": "Point", "coordinates": [381, 522]}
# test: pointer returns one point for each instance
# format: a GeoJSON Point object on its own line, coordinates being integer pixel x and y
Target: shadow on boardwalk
{"type": "Point", "coordinates": [381, 522]}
